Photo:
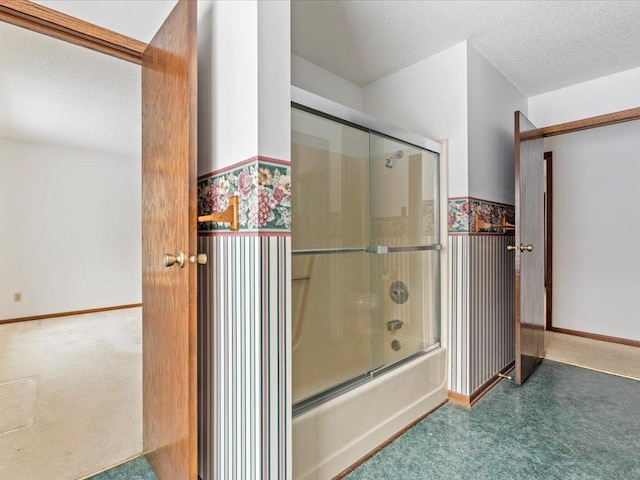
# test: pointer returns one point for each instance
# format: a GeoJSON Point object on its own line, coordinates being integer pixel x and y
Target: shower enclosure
{"type": "Point", "coordinates": [366, 254]}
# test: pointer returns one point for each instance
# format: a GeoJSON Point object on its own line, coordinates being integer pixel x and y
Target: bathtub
{"type": "Point", "coordinates": [339, 432]}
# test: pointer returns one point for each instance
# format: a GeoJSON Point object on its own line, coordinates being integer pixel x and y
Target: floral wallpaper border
{"type": "Point", "coordinates": [463, 213]}
{"type": "Point", "coordinates": [264, 191]}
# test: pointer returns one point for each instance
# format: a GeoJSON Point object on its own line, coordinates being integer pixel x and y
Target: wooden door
{"type": "Point", "coordinates": [169, 226]}
{"type": "Point", "coordinates": [529, 249]}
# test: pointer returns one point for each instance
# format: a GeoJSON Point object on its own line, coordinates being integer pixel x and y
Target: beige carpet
{"type": "Point", "coordinates": [623, 360]}
{"type": "Point", "coordinates": [70, 395]}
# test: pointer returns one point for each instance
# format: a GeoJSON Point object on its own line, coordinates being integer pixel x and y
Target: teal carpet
{"type": "Point", "coordinates": [563, 423]}
{"type": "Point", "coordinates": [137, 469]}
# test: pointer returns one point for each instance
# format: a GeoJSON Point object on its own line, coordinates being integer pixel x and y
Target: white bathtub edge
{"type": "Point", "coordinates": [370, 439]}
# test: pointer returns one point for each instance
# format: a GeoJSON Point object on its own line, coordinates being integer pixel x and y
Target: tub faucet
{"type": "Point", "coordinates": [394, 325]}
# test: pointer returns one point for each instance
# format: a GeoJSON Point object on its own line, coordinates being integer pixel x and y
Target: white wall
{"type": "Point", "coordinates": [227, 83]}
{"type": "Point", "coordinates": [596, 271]}
{"type": "Point", "coordinates": [596, 97]}
{"type": "Point", "coordinates": [492, 101]}
{"type": "Point", "coordinates": [316, 79]}
{"type": "Point", "coordinates": [243, 82]}
{"type": "Point", "coordinates": [429, 98]}
{"type": "Point", "coordinates": [70, 229]}
{"type": "Point", "coordinates": [274, 79]}
{"type": "Point", "coordinates": [594, 278]}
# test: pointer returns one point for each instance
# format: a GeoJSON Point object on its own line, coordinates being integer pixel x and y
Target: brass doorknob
{"type": "Point", "coordinates": [200, 259]}
{"type": "Point", "coordinates": [522, 247]}
{"type": "Point", "coordinates": [171, 260]}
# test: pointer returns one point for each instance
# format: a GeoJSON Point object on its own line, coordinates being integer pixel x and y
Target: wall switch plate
{"type": "Point", "coordinates": [17, 297]}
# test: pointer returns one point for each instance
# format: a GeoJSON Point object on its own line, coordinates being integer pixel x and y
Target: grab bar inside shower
{"type": "Point", "coordinates": [377, 249]}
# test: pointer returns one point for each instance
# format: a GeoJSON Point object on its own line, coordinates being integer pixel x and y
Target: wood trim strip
{"type": "Point", "coordinates": [517, 240]}
{"type": "Point", "coordinates": [469, 401]}
{"type": "Point", "coordinates": [459, 399]}
{"type": "Point", "coordinates": [597, 336]}
{"type": "Point", "coordinates": [386, 443]}
{"type": "Point", "coordinates": [548, 156]}
{"type": "Point", "coordinates": [68, 314]}
{"type": "Point", "coordinates": [583, 124]}
{"type": "Point", "coordinates": [38, 18]}
{"type": "Point", "coordinates": [483, 389]}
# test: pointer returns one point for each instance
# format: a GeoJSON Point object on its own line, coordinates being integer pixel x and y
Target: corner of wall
{"type": "Point", "coordinates": [603, 95]}
{"type": "Point", "coordinates": [491, 103]}
{"type": "Point", "coordinates": [315, 79]}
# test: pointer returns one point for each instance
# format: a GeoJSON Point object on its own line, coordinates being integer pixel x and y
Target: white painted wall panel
{"type": "Point", "coordinates": [492, 101]}
{"type": "Point", "coordinates": [596, 272]}
{"type": "Point", "coordinates": [227, 83]}
{"type": "Point", "coordinates": [315, 79]}
{"type": "Point", "coordinates": [274, 79]}
{"type": "Point", "coordinates": [69, 229]}
{"type": "Point", "coordinates": [429, 98]}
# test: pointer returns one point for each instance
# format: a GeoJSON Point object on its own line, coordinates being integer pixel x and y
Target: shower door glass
{"type": "Point", "coordinates": [331, 342]}
{"type": "Point", "coordinates": [404, 234]}
{"type": "Point", "coordinates": [365, 269]}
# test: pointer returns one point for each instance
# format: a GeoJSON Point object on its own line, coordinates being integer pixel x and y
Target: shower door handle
{"type": "Point", "coordinates": [384, 249]}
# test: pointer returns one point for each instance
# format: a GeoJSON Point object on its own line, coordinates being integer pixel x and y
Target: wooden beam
{"type": "Point", "coordinates": [584, 124]}
{"type": "Point", "coordinates": [37, 18]}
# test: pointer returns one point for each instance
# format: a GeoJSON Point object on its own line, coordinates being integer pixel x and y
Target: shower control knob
{"type": "Point", "coordinates": [399, 292]}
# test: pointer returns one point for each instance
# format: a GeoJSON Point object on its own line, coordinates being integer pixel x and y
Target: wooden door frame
{"type": "Point", "coordinates": [561, 129]}
{"type": "Point", "coordinates": [548, 257]}
{"type": "Point", "coordinates": [52, 23]}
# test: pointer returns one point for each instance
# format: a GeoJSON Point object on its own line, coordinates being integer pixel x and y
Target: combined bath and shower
{"type": "Point", "coordinates": [395, 156]}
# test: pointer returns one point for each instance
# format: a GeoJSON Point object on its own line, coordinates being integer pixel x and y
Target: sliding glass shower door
{"type": "Point", "coordinates": [365, 269]}
{"type": "Point", "coordinates": [331, 303]}
{"type": "Point", "coordinates": [405, 257]}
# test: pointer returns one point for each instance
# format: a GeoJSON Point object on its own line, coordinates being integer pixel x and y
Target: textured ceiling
{"type": "Point", "coordinates": [57, 93]}
{"type": "Point", "coordinates": [60, 93]}
{"type": "Point", "coordinates": [538, 45]}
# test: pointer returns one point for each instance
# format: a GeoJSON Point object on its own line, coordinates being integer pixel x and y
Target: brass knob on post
{"type": "Point", "coordinates": [200, 259]}
{"type": "Point", "coordinates": [170, 260]}
{"type": "Point", "coordinates": [511, 248]}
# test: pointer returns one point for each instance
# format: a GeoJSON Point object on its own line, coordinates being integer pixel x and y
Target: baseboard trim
{"type": "Point", "coordinates": [596, 336]}
{"type": "Point", "coordinates": [359, 462]}
{"type": "Point", "coordinates": [469, 401]}
{"type": "Point", "coordinates": [68, 314]}
{"type": "Point", "coordinates": [459, 399]}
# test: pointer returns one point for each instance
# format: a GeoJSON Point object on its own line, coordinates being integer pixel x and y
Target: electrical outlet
{"type": "Point", "coordinates": [17, 297]}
